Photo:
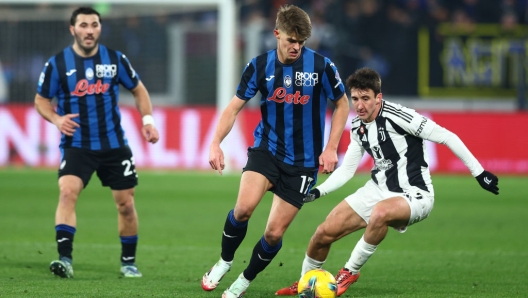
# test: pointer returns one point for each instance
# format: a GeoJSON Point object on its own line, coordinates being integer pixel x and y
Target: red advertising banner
{"type": "Point", "coordinates": [498, 140]}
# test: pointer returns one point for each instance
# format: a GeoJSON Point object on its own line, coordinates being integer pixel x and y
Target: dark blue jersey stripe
{"type": "Point", "coordinates": [309, 123]}
{"type": "Point", "coordinates": [297, 126]}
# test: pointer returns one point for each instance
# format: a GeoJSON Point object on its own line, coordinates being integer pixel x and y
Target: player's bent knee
{"type": "Point", "coordinates": [322, 236]}
{"type": "Point", "coordinates": [126, 208]}
{"type": "Point", "coordinates": [379, 216]}
{"type": "Point", "coordinates": [242, 214]}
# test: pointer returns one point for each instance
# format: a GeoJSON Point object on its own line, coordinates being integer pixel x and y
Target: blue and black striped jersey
{"type": "Point", "coordinates": [89, 87]}
{"type": "Point", "coordinates": [293, 103]}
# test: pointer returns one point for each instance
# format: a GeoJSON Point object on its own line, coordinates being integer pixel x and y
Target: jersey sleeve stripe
{"type": "Point", "coordinates": [398, 114]}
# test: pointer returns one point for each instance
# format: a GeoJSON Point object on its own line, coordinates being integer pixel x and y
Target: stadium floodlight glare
{"type": "Point", "coordinates": [226, 77]}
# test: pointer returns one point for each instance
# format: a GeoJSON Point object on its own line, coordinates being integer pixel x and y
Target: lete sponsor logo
{"type": "Point", "coordinates": [280, 95]}
{"type": "Point", "coordinates": [83, 87]}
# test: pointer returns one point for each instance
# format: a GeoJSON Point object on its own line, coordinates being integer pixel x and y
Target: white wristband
{"type": "Point", "coordinates": [148, 119]}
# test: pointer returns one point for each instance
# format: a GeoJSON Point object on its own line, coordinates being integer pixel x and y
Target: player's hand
{"type": "Point", "coordinates": [66, 125]}
{"type": "Point", "coordinates": [312, 195]}
{"type": "Point", "coordinates": [328, 161]}
{"type": "Point", "coordinates": [216, 158]}
{"type": "Point", "coordinates": [150, 133]}
{"type": "Point", "coordinates": [489, 182]}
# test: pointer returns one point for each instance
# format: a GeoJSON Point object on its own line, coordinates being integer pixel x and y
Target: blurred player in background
{"type": "Point", "coordinates": [399, 193]}
{"type": "Point", "coordinates": [295, 83]}
{"type": "Point", "coordinates": [85, 79]}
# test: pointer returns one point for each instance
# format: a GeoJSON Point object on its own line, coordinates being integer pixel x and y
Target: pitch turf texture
{"type": "Point", "coordinates": [474, 244]}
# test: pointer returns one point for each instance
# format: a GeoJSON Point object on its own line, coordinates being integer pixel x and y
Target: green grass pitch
{"type": "Point", "coordinates": [474, 244]}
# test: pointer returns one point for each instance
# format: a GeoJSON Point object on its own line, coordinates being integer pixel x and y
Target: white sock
{"type": "Point", "coordinates": [309, 264]}
{"type": "Point", "coordinates": [224, 263]}
{"type": "Point", "coordinates": [360, 256]}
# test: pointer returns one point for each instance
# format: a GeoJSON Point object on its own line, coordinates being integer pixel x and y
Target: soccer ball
{"type": "Point", "coordinates": [317, 283]}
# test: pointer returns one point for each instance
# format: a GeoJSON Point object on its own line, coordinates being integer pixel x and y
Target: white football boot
{"type": "Point", "coordinates": [212, 278]}
{"type": "Point", "coordinates": [238, 288]}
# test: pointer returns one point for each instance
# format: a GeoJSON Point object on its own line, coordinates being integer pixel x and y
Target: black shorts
{"type": "Point", "coordinates": [114, 167]}
{"type": "Point", "coordinates": [290, 183]}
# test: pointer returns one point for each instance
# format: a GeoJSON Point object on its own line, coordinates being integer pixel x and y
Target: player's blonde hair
{"type": "Point", "coordinates": [294, 21]}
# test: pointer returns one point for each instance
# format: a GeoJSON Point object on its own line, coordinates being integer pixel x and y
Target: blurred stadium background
{"type": "Point", "coordinates": [462, 62]}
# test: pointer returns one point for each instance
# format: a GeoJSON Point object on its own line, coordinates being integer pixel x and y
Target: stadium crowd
{"type": "Point", "coordinates": [380, 34]}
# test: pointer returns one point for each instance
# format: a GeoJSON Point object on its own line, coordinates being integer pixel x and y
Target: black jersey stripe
{"type": "Point", "coordinates": [83, 107]}
{"type": "Point", "coordinates": [261, 62]}
{"type": "Point", "coordinates": [318, 133]}
{"type": "Point", "coordinates": [246, 77]}
{"type": "Point", "coordinates": [280, 154]}
{"type": "Point", "coordinates": [406, 116]}
{"type": "Point", "coordinates": [116, 118]}
{"type": "Point", "coordinates": [406, 119]}
{"type": "Point", "coordinates": [389, 151]}
{"type": "Point", "coordinates": [298, 119]}
{"type": "Point", "coordinates": [100, 110]}
{"type": "Point", "coordinates": [47, 83]}
{"type": "Point", "coordinates": [415, 157]}
{"type": "Point", "coordinates": [415, 161]}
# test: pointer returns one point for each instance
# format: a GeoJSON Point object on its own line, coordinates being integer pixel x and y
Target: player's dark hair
{"type": "Point", "coordinates": [294, 21]}
{"type": "Point", "coordinates": [83, 10]}
{"type": "Point", "coordinates": [364, 79]}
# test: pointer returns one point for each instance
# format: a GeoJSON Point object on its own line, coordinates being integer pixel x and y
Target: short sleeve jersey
{"type": "Point", "coordinates": [293, 104]}
{"type": "Point", "coordinates": [89, 87]}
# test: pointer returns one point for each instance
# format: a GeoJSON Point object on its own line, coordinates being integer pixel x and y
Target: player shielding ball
{"type": "Point", "coordinates": [295, 83]}
{"type": "Point", "coordinates": [399, 193]}
{"type": "Point", "coordinates": [85, 79]}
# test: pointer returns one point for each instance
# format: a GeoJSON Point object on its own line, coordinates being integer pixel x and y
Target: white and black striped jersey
{"type": "Point", "coordinates": [395, 140]}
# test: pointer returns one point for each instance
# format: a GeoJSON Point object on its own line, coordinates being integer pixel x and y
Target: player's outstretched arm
{"type": "Point", "coordinates": [487, 180]}
{"type": "Point", "coordinates": [223, 127]}
{"type": "Point", "coordinates": [342, 174]}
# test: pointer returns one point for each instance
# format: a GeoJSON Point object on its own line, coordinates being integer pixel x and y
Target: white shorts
{"type": "Point", "coordinates": [364, 199]}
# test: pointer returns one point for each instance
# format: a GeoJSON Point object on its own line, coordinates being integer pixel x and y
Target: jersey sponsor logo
{"type": "Point", "coordinates": [270, 78]}
{"type": "Point", "coordinates": [384, 164]}
{"type": "Point", "coordinates": [287, 81]}
{"type": "Point", "coordinates": [105, 70]}
{"type": "Point", "coordinates": [83, 87]}
{"type": "Point", "coordinates": [421, 127]}
{"type": "Point", "coordinates": [280, 95]}
{"type": "Point", "coordinates": [380, 162]}
{"type": "Point", "coordinates": [89, 73]}
{"type": "Point", "coordinates": [306, 78]}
